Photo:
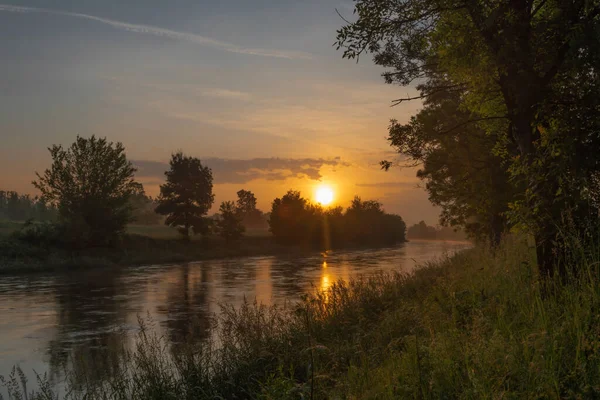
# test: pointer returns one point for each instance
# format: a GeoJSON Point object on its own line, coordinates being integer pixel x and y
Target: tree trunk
{"type": "Point", "coordinates": [496, 230]}
{"type": "Point", "coordinates": [544, 249]}
{"type": "Point", "coordinates": [546, 220]}
{"type": "Point", "coordinates": [187, 232]}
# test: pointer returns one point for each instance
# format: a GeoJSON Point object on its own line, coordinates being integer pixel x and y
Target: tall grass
{"type": "Point", "coordinates": [478, 325]}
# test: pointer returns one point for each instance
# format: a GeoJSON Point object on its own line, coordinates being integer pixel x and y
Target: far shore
{"type": "Point", "coordinates": [143, 245]}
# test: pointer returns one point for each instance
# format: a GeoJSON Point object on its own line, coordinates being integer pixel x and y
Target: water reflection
{"type": "Point", "coordinates": [91, 310]}
{"type": "Point", "coordinates": [186, 304]}
{"type": "Point", "coordinates": [51, 321]}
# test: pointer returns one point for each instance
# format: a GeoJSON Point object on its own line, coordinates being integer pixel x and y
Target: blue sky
{"type": "Point", "coordinates": [235, 82]}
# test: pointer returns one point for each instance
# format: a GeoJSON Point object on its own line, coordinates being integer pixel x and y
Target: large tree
{"type": "Point", "coordinates": [90, 183]}
{"type": "Point", "coordinates": [458, 162]}
{"type": "Point", "coordinates": [510, 61]}
{"type": "Point", "coordinates": [187, 195]}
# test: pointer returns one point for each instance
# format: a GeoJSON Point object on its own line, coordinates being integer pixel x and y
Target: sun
{"type": "Point", "coordinates": [324, 195]}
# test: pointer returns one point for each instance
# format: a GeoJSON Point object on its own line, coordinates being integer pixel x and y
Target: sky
{"type": "Point", "coordinates": [255, 89]}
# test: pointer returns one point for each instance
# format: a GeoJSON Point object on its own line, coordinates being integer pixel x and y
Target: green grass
{"type": "Point", "coordinates": [8, 227]}
{"type": "Point", "coordinates": [152, 231]}
{"type": "Point", "coordinates": [21, 257]}
{"type": "Point", "coordinates": [476, 326]}
{"type": "Point", "coordinates": [143, 244]}
{"type": "Point", "coordinates": [166, 232]}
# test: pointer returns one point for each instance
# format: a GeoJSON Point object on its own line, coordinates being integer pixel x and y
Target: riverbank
{"type": "Point", "coordinates": [32, 256]}
{"type": "Point", "coordinates": [477, 325]}
{"type": "Point", "coordinates": [22, 257]}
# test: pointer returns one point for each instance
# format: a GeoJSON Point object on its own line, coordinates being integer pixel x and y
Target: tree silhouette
{"type": "Point", "coordinates": [187, 195]}
{"type": "Point", "coordinates": [16, 207]}
{"type": "Point", "coordinates": [246, 208]}
{"type": "Point", "coordinates": [229, 222]}
{"type": "Point", "coordinates": [295, 221]}
{"type": "Point", "coordinates": [91, 184]}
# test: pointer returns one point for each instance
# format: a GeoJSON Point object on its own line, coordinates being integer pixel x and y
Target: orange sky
{"type": "Point", "coordinates": [257, 92]}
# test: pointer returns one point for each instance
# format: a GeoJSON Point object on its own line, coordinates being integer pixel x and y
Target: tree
{"type": "Point", "coordinates": [187, 195]}
{"type": "Point", "coordinates": [458, 162]}
{"type": "Point", "coordinates": [246, 208]}
{"type": "Point", "coordinates": [292, 219]}
{"type": "Point", "coordinates": [510, 62]}
{"type": "Point", "coordinates": [143, 207]}
{"type": "Point", "coordinates": [421, 231]}
{"type": "Point", "coordinates": [295, 221]}
{"type": "Point", "coordinates": [366, 223]}
{"type": "Point", "coordinates": [18, 207]}
{"type": "Point", "coordinates": [246, 202]}
{"type": "Point", "coordinates": [229, 222]}
{"type": "Point", "coordinates": [91, 184]}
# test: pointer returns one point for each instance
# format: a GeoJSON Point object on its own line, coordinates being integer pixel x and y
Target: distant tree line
{"type": "Point", "coordinates": [16, 207]}
{"type": "Point", "coordinates": [424, 231]}
{"type": "Point", "coordinates": [295, 220]}
{"type": "Point", "coordinates": [90, 194]}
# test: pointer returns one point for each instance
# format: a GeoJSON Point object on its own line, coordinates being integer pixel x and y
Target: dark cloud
{"type": "Point", "coordinates": [412, 185]}
{"type": "Point", "coordinates": [242, 171]}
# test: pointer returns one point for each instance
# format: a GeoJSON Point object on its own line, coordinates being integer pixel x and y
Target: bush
{"type": "Point", "coordinates": [41, 234]}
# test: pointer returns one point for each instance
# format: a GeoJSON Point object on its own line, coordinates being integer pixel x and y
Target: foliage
{"type": "Point", "coordinates": [187, 195]}
{"type": "Point", "coordinates": [424, 231]}
{"type": "Point", "coordinates": [524, 70]}
{"type": "Point", "coordinates": [143, 207]}
{"type": "Point", "coordinates": [246, 208]}
{"type": "Point", "coordinates": [229, 222]}
{"type": "Point", "coordinates": [295, 221]}
{"type": "Point", "coordinates": [43, 234]}
{"type": "Point", "coordinates": [463, 174]}
{"type": "Point", "coordinates": [476, 325]}
{"type": "Point", "coordinates": [40, 247]}
{"type": "Point", "coordinates": [16, 207]}
{"type": "Point", "coordinates": [91, 184]}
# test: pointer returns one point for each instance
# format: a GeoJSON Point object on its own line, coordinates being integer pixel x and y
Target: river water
{"type": "Point", "coordinates": [46, 320]}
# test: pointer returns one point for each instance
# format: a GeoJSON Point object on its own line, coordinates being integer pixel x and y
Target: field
{"type": "Point", "coordinates": [153, 231]}
{"type": "Point", "coordinates": [144, 244]}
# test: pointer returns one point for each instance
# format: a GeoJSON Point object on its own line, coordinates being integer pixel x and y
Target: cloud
{"type": "Point", "coordinates": [156, 31]}
{"type": "Point", "coordinates": [243, 171]}
{"type": "Point", "coordinates": [227, 94]}
{"type": "Point", "coordinates": [401, 184]}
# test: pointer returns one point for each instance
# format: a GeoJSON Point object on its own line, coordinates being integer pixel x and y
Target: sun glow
{"type": "Point", "coordinates": [324, 195]}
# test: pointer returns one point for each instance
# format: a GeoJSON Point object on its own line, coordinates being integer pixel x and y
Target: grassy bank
{"type": "Point", "coordinates": [475, 326]}
{"type": "Point", "coordinates": [21, 257]}
{"type": "Point", "coordinates": [26, 250]}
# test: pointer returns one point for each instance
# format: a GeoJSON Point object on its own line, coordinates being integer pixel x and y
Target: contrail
{"type": "Point", "coordinates": [152, 30]}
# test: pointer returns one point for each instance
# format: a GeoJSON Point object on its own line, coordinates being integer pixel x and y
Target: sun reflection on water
{"type": "Point", "coordinates": [326, 281]}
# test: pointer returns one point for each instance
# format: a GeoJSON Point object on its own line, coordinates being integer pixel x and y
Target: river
{"type": "Point", "coordinates": [49, 319]}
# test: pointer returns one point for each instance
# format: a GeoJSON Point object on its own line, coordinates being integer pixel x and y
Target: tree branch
{"type": "Point", "coordinates": [470, 122]}
{"type": "Point", "coordinates": [538, 8]}
{"type": "Point", "coordinates": [425, 95]}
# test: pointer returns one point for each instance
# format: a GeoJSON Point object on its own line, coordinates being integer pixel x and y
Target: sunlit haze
{"type": "Point", "coordinates": [254, 89]}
